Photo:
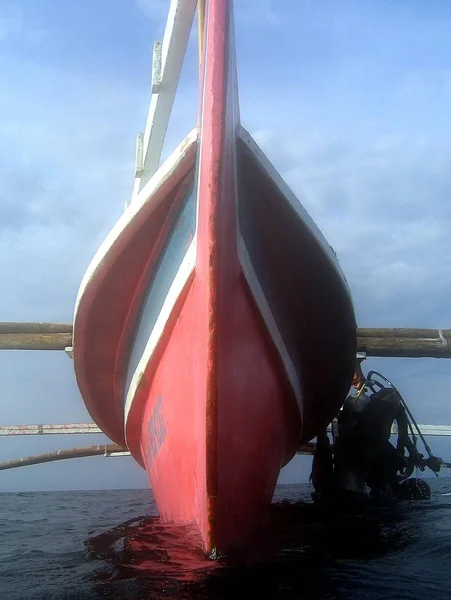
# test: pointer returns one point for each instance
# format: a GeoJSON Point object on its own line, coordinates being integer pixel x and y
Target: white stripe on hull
{"type": "Point", "coordinates": [180, 280]}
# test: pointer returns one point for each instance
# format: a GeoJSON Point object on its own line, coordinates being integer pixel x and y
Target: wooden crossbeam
{"type": "Point", "coordinates": [11, 327]}
{"type": "Point", "coordinates": [396, 332]}
{"type": "Point", "coordinates": [383, 342]}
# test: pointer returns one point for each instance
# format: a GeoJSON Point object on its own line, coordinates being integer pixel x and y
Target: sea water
{"type": "Point", "coordinates": [110, 544]}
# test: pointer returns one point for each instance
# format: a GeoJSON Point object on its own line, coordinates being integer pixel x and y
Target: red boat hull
{"type": "Point", "coordinates": [217, 394]}
{"type": "Point", "coordinates": [214, 332]}
{"type": "Point", "coordinates": [217, 465]}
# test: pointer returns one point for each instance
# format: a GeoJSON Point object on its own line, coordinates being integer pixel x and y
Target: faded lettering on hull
{"type": "Point", "coordinates": [156, 430]}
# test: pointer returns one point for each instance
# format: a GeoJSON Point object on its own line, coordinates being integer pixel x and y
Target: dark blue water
{"type": "Point", "coordinates": [87, 545]}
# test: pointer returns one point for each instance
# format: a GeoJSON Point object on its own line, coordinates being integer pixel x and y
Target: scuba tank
{"type": "Point", "coordinates": [363, 455]}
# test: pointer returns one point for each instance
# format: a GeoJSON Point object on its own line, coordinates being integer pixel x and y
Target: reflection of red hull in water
{"type": "Point", "coordinates": [214, 331]}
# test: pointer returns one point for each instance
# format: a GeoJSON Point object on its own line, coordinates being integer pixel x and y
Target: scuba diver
{"type": "Point", "coordinates": [363, 456]}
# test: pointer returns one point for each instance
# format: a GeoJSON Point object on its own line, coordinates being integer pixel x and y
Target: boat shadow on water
{"type": "Point", "coordinates": [300, 553]}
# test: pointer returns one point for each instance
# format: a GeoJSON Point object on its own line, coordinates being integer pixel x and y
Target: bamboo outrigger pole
{"type": "Point", "coordinates": [35, 336]}
{"type": "Point", "coordinates": [383, 342]}
{"type": "Point", "coordinates": [86, 451]}
{"type": "Point", "coordinates": [108, 450]}
{"type": "Point", "coordinates": [99, 450]}
{"type": "Point", "coordinates": [407, 343]}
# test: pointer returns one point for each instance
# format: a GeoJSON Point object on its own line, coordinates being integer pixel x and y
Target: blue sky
{"type": "Point", "coordinates": [349, 99]}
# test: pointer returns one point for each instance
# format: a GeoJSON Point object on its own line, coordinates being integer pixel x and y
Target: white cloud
{"type": "Point", "coordinates": [383, 204]}
{"type": "Point", "coordinates": [66, 163]}
{"type": "Point", "coordinates": [67, 170]}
